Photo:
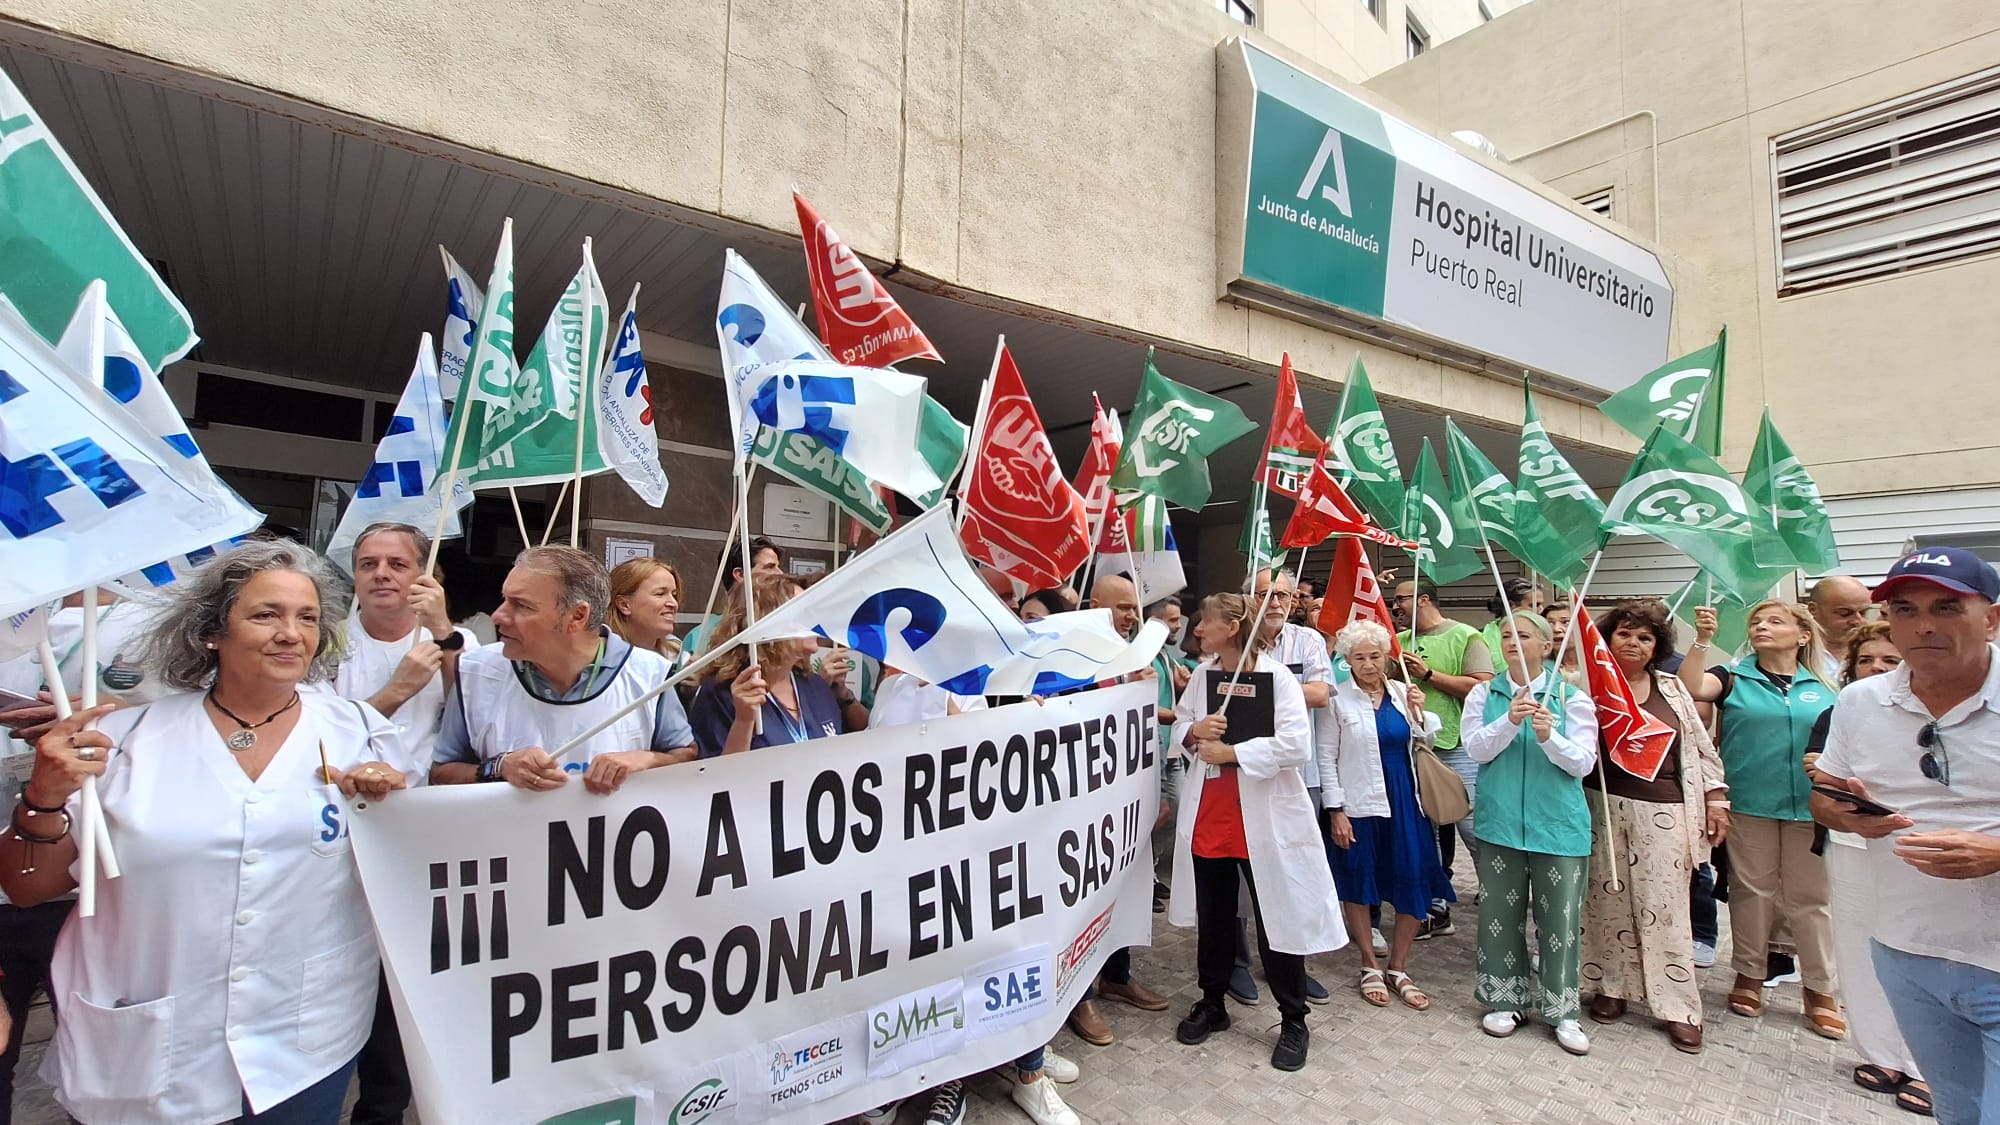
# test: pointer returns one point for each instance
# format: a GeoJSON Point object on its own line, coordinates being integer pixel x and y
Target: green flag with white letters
{"type": "Point", "coordinates": [1732, 617]}
{"type": "Point", "coordinates": [56, 237]}
{"type": "Point", "coordinates": [1483, 490]}
{"type": "Point", "coordinates": [1557, 517]}
{"type": "Point", "coordinates": [806, 461]}
{"type": "Point", "coordinates": [1685, 396]}
{"type": "Point", "coordinates": [1681, 496]}
{"type": "Point", "coordinates": [1175, 429]}
{"type": "Point", "coordinates": [1362, 456]}
{"type": "Point", "coordinates": [1443, 528]}
{"type": "Point", "coordinates": [1259, 550]}
{"type": "Point", "coordinates": [538, 442]}
{"type": "Point", "coordinates": [485, 395]}
{"type": "Point", "coordinates": [1778, 483]}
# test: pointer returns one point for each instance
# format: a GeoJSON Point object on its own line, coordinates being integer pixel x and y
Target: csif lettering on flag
{"type": "Point", "coordinates": [1362, 455]}
{"type": "Point", "coordinates": [1483, 490]}
{"type": "Point", "coordinates": [1637, 740]}
{"type": "Point", "coordinates": [1175, 429]}
{"type": "Point", "coordinates": [1778, 483]}
{"type": "Point", "coordinates": [1558, 519]}
{"type": "Point", "coordinates": [1684, 395]}
{"type": "Point", "coordinates": [397, 486]}
{"type": "Point", "coordinates": [87, 491]}
{"type": "Point", "coordinates": [1681, 496]}
{"type": "Point", "coordinates": [1437, 521]}
{"type": "Point", "coordinates": [858, 320]}
{"type": "Point", "coordinates": [1021, 516]}
{"type": "Point", "coordinates": [1290, 446]}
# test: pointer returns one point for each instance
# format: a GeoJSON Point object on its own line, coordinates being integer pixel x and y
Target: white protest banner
{"type": "Point", "coordinates": [790, 935]}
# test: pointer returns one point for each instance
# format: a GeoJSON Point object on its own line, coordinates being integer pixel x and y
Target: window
{"type": "Point", "coordinates": [1485, 13]}
{"type": "Point", "coordinates": [1905, 184]}
{"type": "Point", "coordinates": [1414, 36]}
{"type": "Point", "coordinates": [1238, 10]}
{"type": "Point", "coordinates": [1598, 201]}
{"type": "Point", "coordinates": [1374, 8]}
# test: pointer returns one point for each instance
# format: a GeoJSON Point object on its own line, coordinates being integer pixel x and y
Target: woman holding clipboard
{"type": "Point", "coordinates": [1245, 815]}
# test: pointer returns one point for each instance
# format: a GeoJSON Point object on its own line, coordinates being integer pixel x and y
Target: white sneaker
{"type": "Point", "coordinates": [881, 1112]}
{"type": "Point", "coordinates": [1043, 1105]}
{"type": "Point", "coordinates": [1381, 946]}
{"type": "Point", "coordinates": [1569, 1034]}
{"type": "Point", "coordinates": [1500, 1024]}
{"type": "Point", "coordinates": [1059, 1068]}
{"type": "Point", "coordinates": [1704, 955]}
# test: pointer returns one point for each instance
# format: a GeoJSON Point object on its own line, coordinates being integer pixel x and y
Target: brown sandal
{"type": "Point", "coordinates": [1408, 992]}
{"type": "Point", "coordinates": [1747, 998]}
{"type": "Point", "coordinates": [1823, 1015]}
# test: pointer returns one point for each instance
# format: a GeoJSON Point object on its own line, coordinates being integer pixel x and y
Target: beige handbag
{"type": "Point", "coordinates": [1440, 791]}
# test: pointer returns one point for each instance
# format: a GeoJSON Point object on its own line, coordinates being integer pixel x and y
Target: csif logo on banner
{"type": "Point", "coordinates": [707, 1098]}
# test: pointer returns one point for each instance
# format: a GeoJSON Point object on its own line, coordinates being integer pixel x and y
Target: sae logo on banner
{"type": "Point", "coordinates": [915, 1028]}
{"type": "Point", "coordinates": [1006, 992]}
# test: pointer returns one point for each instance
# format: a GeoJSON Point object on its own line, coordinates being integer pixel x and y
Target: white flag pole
{"type": "Point", "coordinates": [748, 586]}
{"type": "Point", "coordinates": [519, 520]}
{"type": "Point", "coordinates": [1575, 610]}
{"type": "Point", "coordinates": [1250, 638]}
{"type": "Point", "coordinates": [612, 720]}
{"type": "Point", "coordinates": [1520, 662]}
{"type": "Point", "coordinates": [978, 432]}
{"type": "Point", "coordinates": [721, 570]}
{"type": "Point", "coordinates": [555, 509]}
{"type": "Point", "coordinates": [586, 376]}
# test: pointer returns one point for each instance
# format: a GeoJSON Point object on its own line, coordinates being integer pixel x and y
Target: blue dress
{"type": "Point", "coordinates": [1394, 858]}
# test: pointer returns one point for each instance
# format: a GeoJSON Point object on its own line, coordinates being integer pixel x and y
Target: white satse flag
{"type": "Point", "coordinates": [625, 436]}
{"type": "Point", "coordinates": [397, 486]}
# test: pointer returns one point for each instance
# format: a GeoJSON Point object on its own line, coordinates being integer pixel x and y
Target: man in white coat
{"type": "Point", "coordinates": [556, 673]}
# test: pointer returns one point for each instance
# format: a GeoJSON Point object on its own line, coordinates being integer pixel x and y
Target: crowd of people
{"type": "Point", "coordinates": [1838, 782]}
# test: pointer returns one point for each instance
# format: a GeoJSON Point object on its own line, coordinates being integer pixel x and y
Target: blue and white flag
{"type": "Point", "coordinates": [397, 486]}
{"type": "Point", "coordinates": [914, 602]}
{"type": "Point", "coordinates": [96, 345]}
{"type": "Point", "coordinates": [625, 435]}
{"type": "Point", "coordinates": [464, 301]}
{"type": "Point", "coordinates": [87, 491]}
{"type": "Point", "coordinates": [869, 417]}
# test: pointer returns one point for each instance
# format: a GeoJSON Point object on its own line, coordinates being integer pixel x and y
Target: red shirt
{"type": "Point", "coordinates": [1218, 820]}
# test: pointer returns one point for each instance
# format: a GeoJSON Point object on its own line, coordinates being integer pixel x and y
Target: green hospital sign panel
{"type": "Point", "coordinates": [1328, 205]}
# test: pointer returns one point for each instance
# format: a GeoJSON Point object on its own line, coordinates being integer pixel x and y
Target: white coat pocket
{"type": "Point", "coordinates": [114, 1054]}
{"type": "Point", "coordinates": [337, 997]}
{"type": "Point", "coordinates": [329, 824]}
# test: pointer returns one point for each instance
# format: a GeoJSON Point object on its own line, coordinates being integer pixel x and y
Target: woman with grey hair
{"type": "Point", "coordinates": [230, 973]}
{"type": "Point", "coordinates": [1384, 846]}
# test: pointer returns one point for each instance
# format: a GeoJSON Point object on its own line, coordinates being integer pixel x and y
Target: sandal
{"type": "Point", "coordinates": [1747, 997]}
{"type": "Point", "coordinates": [1372, 988]}
{"type": "Point", "coordinates": [1823, 1015]}
{"type": "Point", "coordinates": [1915, 1097]}
{"type": "Point", "coordinates": [1408, 992]}
{"type": "Point", "coordinates": [1877, 1080]}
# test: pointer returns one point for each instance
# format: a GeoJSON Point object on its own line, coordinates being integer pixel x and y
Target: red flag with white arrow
{"type": "Point", "coordinates": [1021, 516]}
{"type": "Point", "coordinates": [1290, 445]}
{"type": "Point", "coordinates": [1325, 509]}
{"type": "Point", "coordinates": [860, 323]}
{"type": "Point", "coordinates": [1637, 740]}
{"type": "Point", "coordinates": [1353, 594]}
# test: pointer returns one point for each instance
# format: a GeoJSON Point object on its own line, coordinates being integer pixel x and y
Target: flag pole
{"type": "Point", "coordinates": [657, 690]}
{"type": "Point", "coordinates": [1610, 830]}
{"type": "Point", "coordinates": [555, 509]}
{"type": "Point", "coordinates": [978, 433]}
{"type": "Point", "coordinates": [1575, 608]}
{"type": "Point", "coordinates": [748, 585]}
{"type": "Point", "coordinates": [1520, 662]}
{"type": "Point", "coordinates": [586, 377]}
{"type": "Point", "coordinates": [520, 521]}
{"type": "Point", "coordinates": [1680, 599]}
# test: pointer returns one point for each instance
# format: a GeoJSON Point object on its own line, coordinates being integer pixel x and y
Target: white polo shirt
{"type": "Point", "coordinates": [1873, 739]}
{"type": "Point", "coordinates": [367, 669]}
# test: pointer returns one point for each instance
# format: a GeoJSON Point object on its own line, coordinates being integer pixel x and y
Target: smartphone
{"type": "Point", "coordinates": [9, 700]}
{"type": "Point", "coordinates": [1861, 804]}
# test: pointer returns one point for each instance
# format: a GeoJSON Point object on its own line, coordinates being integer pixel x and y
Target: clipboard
{"type": "Point", "coordinates": [1253, 711]}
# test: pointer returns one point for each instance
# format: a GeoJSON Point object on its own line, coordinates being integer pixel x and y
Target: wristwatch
{"type": "Point", "coordinates": [1428, 673]}
{"type": "Point", "coordinates": [489, 770]}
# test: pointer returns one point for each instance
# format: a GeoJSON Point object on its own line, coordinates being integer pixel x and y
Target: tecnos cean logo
{"type": "Point", "coordinates": [700, 1103]}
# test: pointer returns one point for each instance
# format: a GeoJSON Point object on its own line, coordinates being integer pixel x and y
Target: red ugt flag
{"type": "Point", "coordinates": [1093, 477]}
{"type": "Point", "coordinates": [1638, 742]}
{"type": "Point", "coordinates": [1290, 445]}
{"type": "Point", "coordinates": [1325, 509]}
{"type": "Point", "coordinates": [1021, 516]}
{"type": "Point", "coordinates": [858, 320]}
{"type": "Point", "coordinates": [1353, 594]}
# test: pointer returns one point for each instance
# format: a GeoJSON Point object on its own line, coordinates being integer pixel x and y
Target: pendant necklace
{"type": "Point", "coordinates": [246, 737]}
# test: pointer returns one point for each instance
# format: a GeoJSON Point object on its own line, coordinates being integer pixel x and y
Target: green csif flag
{"type": "Point", "coordinates": [485, 395]}
{"type": "Point", "coordinates": [1359, 449]}
{"type": "Point", "coordinates": [1175, 429]}
{"type": "Point", "coordinates": [1685, 396]}
{"type": "Point", "coordinates": [1259, 551]}
{"type": "Point", "coordinates": [1444, 530]}
{"type": "Point", "coordinates": [1558, 519]}
{"type": "Point", "coordinates": [1732, 617]}
{"type": "Point", "coordinates": [1483, 490]}
{"type": "Point", "coordinates": [1681, 496]}
{"type": "Point", "coordinates": [807, 462]}
{"type": "Point", "coordinates": [552, 383]}
{"type": "Point", "coordinates": [1781, 486]}
{"type": "Point", "coordinates": [56, 237]}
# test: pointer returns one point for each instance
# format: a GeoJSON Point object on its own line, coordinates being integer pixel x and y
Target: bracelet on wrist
{"type": "Point", "coordinates": [1699, 645]}
{"type": "Point", "coordinates": [28, 837]}
{"type": "Point", "coordinates": [32, 807]}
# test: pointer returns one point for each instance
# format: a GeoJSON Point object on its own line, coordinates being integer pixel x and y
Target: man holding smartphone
{"type": "Point", "coordinates": [1924, 740]}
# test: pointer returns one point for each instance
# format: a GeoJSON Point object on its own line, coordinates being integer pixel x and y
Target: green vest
{"type": "Point", "coordinates": [1764, 732]}
{"type": "Point", "coordinates": [1444, 652]}
{"type": "Point", "coordinates": [1527, 802]}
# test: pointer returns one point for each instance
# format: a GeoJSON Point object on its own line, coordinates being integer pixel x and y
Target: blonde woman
{"type": "Point", "coordinates": [645, 600]}
{"type": "Point", "coordinates": [1245, 817]}
{"type": "Point", "coordinates": [1769, 702]}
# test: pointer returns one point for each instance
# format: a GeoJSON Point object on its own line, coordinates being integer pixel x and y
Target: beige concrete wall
{"type": "Point", "coordinates": [1880, 386]}
{"type": "Point", "coordinates": [1060, 156]}
{"type": "Point", "coordinates": [1346, 38]}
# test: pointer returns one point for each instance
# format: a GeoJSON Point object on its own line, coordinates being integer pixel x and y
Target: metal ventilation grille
{"type": "Point", "coordinates": [1909, 183]}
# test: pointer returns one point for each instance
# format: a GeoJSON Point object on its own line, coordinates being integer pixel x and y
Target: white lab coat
{"type": "Point", "coordinates": [1301, 913]}
{"type": "Point", "coordinates": [235, 955]}
{"type": "Point", "coordinates": [1350, 755]}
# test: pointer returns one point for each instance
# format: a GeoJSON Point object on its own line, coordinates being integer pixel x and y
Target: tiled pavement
{"type": "Point", "coordinates": [1396, 1065]}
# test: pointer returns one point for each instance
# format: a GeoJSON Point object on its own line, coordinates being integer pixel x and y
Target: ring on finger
{"type": "Point", "coordinates": [87, 754]}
